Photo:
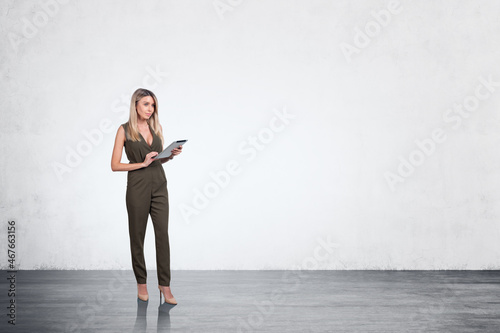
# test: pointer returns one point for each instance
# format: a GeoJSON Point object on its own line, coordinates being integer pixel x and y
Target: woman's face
{"type": "Point", "coordinates": [145, 107]}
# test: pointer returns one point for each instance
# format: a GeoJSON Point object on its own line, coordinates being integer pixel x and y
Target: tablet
{"type": "Point", "coordinates": [168, 151]}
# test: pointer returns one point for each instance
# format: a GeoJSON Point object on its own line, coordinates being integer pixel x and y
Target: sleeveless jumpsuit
{"type": "Point", "coordinates": [147, 194]}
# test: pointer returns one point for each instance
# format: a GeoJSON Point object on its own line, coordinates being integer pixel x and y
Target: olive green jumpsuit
{"type": "Point", "coordinates": [147, 194]}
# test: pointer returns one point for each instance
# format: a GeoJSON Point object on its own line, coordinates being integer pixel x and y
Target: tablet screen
{"type": "Point", "coordinates": [168, 151]}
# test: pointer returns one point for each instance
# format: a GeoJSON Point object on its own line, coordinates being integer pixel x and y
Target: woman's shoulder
{"type": "Point", "coordinates": [125, 128]}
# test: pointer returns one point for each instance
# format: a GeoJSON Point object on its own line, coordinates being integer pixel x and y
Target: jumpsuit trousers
{"type": "Point", "coordinates": [146, 195]}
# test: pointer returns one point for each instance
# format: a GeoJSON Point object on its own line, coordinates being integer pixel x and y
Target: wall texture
{"type": "Point", "coordinates": [322, 134]}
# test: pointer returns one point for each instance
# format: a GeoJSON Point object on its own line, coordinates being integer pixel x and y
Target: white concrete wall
{"type": "Point", "coordinates": [376, 123]}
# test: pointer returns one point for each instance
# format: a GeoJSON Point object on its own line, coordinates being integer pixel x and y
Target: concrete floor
{"type": "Point", "coordinates": [257, 301]}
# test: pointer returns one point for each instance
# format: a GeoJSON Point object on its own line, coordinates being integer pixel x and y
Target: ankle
{"type": "Point", "coordinates": [142, 288]}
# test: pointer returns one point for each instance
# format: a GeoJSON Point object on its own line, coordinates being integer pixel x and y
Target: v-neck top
{"type": "Point", "coordinates": [137, 150]}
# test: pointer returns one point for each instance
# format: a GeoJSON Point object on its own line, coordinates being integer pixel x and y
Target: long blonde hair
{"type": "Point", "coordinates": [153, 121]}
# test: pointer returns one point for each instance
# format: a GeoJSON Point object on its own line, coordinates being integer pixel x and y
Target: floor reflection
{"type": "Point", "coordinates": [163, 324]}
{"type": "Point", "coordinates": [140, 320]}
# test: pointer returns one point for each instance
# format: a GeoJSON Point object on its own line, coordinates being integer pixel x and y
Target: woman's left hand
{"type": "Point", "coordinates": [176, 151]}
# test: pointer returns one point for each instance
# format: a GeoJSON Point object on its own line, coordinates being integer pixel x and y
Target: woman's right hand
{"type": "Point", "coordinates": [149, 158]}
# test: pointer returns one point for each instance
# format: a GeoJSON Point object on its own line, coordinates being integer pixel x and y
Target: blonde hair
{"type": "Point", "coordinates": [153, 121]}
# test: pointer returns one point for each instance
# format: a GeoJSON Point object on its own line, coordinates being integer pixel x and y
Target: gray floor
{"type": "Point", "coordinates": [257, 301]}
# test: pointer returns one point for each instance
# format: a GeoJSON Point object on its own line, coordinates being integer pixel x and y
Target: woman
{"type": "Point", "coordinates": [142, 137]}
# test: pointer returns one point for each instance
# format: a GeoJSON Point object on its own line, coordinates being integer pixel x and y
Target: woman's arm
{"type": "Point", "coordinates": [166, 159]}
{"type": "Point", "coordinates": [175, 151]}
{"type": "Point", "coordinates": [116, 158]}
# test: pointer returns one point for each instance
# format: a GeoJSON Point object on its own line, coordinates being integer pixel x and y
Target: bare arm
{"type": "Point", "coordinates": [116, 158]}
{"type": "Point", "coordinates": [175, 151]}
{"type": "Point", "coordinates": [166, 159]}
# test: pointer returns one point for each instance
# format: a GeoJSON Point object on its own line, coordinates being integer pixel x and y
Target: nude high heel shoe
{"type": "Point", "coordinates": [143, 297]}
{"type": "Point", "coordinates": [171, 301]}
